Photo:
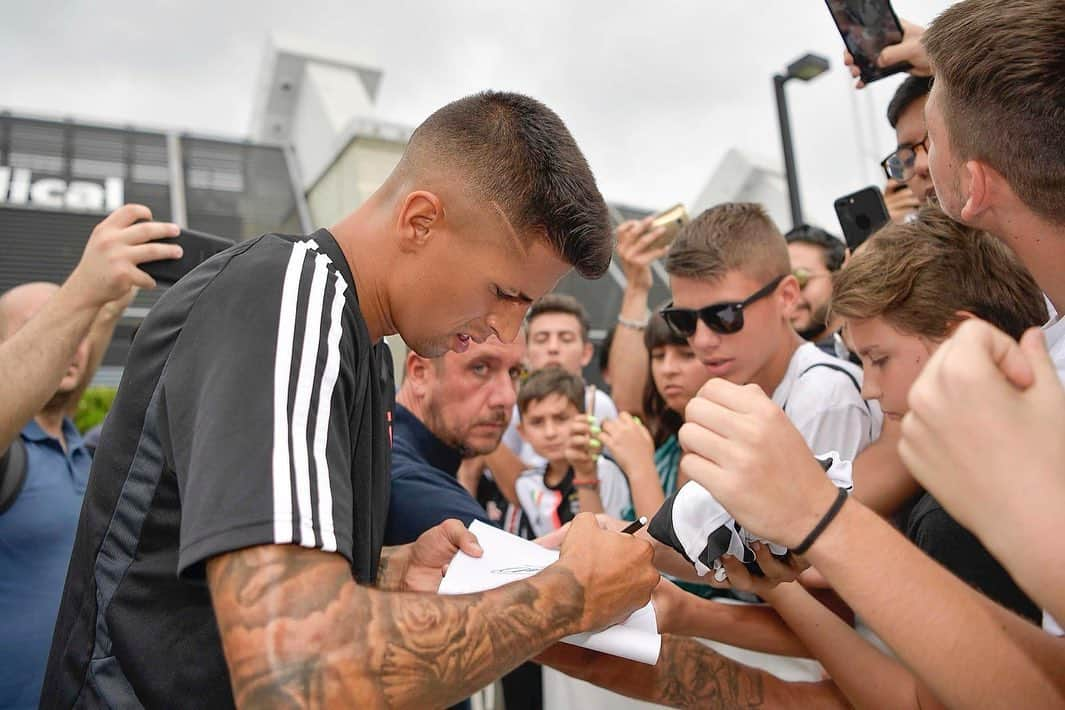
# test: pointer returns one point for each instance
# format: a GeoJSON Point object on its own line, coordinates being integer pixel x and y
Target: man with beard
{"type": "Point", "coordinates": [815, 255]}
{"type": "Point", "coordinates": [448, 409]}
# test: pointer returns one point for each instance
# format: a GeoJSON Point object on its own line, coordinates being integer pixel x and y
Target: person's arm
{"type": "Point", "coordinates": [1008, 489]}
{"type": "Point", "coordinates": [966, 649]}
{"type": "Point", "coordinates": [298, 631]}
{"type": "Point", "coordinates": [582, 443]}
{"type": "Point", "coordinates": [863, 673]}
{"type": "Point", "coordinates": [881, 480]}
{"type": "Point", "coordinates": [628, 356]}
{"type": "Point", "coordinates": [629, 442]}
{"type": "Point", "coordinates": [100, 334]}
{"type": "Point", "coordinates": [34, 359]}
{"type": "Point", "coordinates": [690, 675]}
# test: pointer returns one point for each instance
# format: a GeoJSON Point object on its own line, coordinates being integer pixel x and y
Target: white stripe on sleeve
{"type": "Point", "coordinates": [305, 385]}
{"type": "Point", "coordinates": [321, 425]}
{"type": "Point", "coordinates": [282, 366]}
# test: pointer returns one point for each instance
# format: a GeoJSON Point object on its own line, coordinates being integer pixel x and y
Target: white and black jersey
{"type": "Point", "coordinates": [696, 525]}
{"type": "Point", "coordinates": [251, 412]}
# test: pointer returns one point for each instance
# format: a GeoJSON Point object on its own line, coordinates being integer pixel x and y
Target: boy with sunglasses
{"type": "Point", "coordinates": [733, 299]}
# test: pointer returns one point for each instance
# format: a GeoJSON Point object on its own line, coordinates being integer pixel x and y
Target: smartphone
{"type": "Point", "coordinates": [197, 248]}
{"type": "Point", "coordinates": [861, 214]}
{"type": "Point", "coordinates": [867, 26]}
{"type": "Point", "coordinates": [672, 219]}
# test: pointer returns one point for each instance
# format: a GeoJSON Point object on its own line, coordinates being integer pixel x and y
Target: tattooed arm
{"type": "Point", "coordinates": [690, 675]}
{"type": "Point", "coordinates": [297, 631]}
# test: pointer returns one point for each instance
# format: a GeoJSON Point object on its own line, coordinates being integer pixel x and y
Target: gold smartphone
{"type": "Point", "coordinates": [672, 220]}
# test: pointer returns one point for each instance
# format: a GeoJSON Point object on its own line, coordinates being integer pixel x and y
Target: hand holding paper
{"type": "Point", "coordinates": [508, 558]}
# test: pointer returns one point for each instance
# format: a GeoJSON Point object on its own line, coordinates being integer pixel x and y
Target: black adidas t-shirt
{"type": "Point", "coordinates": [250, 413]}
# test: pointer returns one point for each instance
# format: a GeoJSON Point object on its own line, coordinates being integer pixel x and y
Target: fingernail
{"type": "Point", "coordinates": [756, 546]}
{"type": "Point", "coordinates": [594, 443]}
{"type": "Point", "coordinates": [477, 547]}
{"type": "Point", "coordinates": [596, 430]}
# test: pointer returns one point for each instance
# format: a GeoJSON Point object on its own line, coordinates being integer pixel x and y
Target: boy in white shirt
{"type": "Point", "coordinates": [574, 478]}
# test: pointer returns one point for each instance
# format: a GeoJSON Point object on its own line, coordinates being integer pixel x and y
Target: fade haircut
{"type": "Point", "coordinates": [549, 381]}
{"type": "Point", "coordinates": [917, 275]}
{"type": "Point", "coordinates": [560, 303]}
{"type": "Point", "coordinates": [910, 90]}
{"type": "Point", "coordinates": [517, 153]}
{"type": "Point", "coordinates": [734, 236]}
{"type": "Point", "coordinates": [999, 66]}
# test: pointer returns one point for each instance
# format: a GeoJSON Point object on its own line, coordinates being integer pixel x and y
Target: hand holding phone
{"type": "Point", "coordinates": [197, 247]}
{"type": "Point", "coordinates": [868, 27]}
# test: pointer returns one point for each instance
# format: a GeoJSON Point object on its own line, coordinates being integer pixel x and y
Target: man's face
{"type": "Point", "coordinates": [944, 168]}
{"type": "Point", "coordinates": [556, 339]}
{"type": "Point", "coordinates": [911, 130]}
{"type": "Point", "coordinates": [470, 395]}
{"type": "Point", "coordinates": [473, 277]}
{"type": "Point", "coordinates": [811, 310]}
{"type": "Point", "coordinates": [737, 357]}
{"type": "Point", "coordinates": [891, 362]}
{"type": "Point", "coordinates": [545, 424]}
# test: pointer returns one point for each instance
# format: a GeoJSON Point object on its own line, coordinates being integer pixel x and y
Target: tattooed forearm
{"type": "Point", "coordinates": [391, 567]}
{"type": "Point", "coordinates": [690, 675]}
{"type": "Point", "coordinates": [298, 632]}
{"type": "Point", "coordinates": [693, 676]}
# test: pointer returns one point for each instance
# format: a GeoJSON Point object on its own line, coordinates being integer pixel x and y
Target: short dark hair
{"type": "Point", "coordinates": [733, 236]}
{"type": "Point", "coordinates": [518, 153]}
{"type": "Point", "coordinates": [548, 381]}
{"type": "Point", "coordinates": [835, 251]}
{"type": "Point", "coordinates": [910, 90]}
{"type": "Point", "coordinates": [998, 66]}
{"type": "Point", "coordinates": [560, 303]}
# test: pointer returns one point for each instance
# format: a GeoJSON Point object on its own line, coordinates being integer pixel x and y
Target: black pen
{"type": "Point", "coordinates": [634, 527]}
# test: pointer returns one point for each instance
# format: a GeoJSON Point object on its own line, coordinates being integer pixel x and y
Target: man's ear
{"type": "Point", "coordinates": [985, 185]}
{"type": "Point", "coordinates": [419, 372]}
{"type": "Point", "coordinates": [589, 350]}
{"type": "Point", "coordinates": [422, 212]}
{"type": "Point", "coordinates": [788, 294]}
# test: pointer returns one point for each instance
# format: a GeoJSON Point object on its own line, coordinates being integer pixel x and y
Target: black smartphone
{"type": "Point", "coordinates": [867, 26]}
{"type": "Point", "coordinates": [861, 214]}
{"type": "Point", "coordinates": [197, 248]}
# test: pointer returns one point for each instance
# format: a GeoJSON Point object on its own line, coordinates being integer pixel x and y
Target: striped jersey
{"type": "Point", "coordinates": [250, 412]}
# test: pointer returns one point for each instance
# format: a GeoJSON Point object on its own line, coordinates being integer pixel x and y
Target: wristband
{"type": "Point", "coordinates": [591, 483]}
{"type": "Point", "coordinates": [634, 324]}
{"type": "Point", "coordinates": [833, 511]}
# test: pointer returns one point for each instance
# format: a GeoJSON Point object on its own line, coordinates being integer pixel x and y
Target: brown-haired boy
{"type": "Point", "coordinates": [574, 479]}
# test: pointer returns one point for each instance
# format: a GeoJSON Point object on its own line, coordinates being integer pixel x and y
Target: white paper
{"type": "Point", "coordinates": [508, 558]}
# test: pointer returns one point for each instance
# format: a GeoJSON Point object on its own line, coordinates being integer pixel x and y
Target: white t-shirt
{"type": "Point", "coordinates": [604, 409]}
{"type": "Point", "coordinates": [1055, 335]}
{"type": "Point", "coordinates": [822, 397]}
{"type": "Point", "coordinates": [548, 508]}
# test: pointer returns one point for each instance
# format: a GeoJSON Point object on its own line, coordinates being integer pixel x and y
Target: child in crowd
{"type": "Point", "coordinates": [575, 478]}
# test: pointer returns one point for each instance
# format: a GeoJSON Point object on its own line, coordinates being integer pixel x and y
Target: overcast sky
{"type": "Point", "coordinates": [655, 92]}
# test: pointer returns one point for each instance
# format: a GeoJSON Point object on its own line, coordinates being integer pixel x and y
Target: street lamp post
{"type": "Point", "coordinates": [805, 68]}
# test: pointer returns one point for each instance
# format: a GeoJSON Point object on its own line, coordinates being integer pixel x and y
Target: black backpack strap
{"type": "Point", "coordinates": [837, 368]}
{"type": "Point", "coordinates": [13, 466]}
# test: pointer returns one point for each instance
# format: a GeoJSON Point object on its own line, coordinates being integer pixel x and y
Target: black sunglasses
{"type": "Point", "coordinates": [723, 318]}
